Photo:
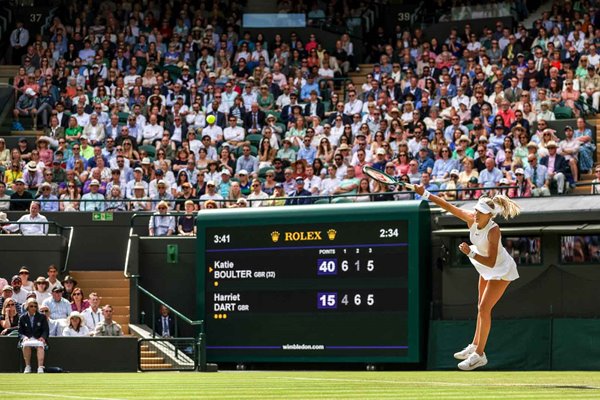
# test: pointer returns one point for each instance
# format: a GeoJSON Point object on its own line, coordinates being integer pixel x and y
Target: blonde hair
{"type": "Point", "coordinates": [502, 205]}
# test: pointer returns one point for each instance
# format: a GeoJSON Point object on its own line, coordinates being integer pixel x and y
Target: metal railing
{"type": "Point", "coordinates": [196, 325]}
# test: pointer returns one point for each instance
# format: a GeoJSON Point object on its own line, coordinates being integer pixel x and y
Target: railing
{"type": "Point", "coordinates": [197, 325]}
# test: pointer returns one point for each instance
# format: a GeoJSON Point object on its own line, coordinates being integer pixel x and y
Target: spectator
{"type": "Point", "coordinates": [92, 314]}
{"type": "Point", "coordinates": [19, 292]}
{"type": "Point", "coordinates": [299, 196]}
{"type": "Point", "coordinates": [162, 224]}
{"type": "Point", "coordinates": [59, 307]}
{"type": "Point", "coordinates": [54, 327]}
{"type": "Point", "coordinates": [33, 332]}
{"type": "Point", "coordinates": [78, 302]}
{"type": "Point", "coordinates": [69, 284]}
{"type": "Point", "coordinates": [186, 224]}
{"type": "Point", "coordinates": [569, 149]}
{"type": "Point", "coordinates": [596, 182]}
{"type": "Point", "coordinates": [52, 277]}
{"type": "Point", "coordinates": [75, 326]}
{"type": "Point", "coordinates": [30, 224]}
{"type": "Point", "coordinates": [25, 282]}
{"type": "Point", "coordinates": [108, 327]}
{"type": "Point", "coordinates": [48, 201]}
{"type": "Point", "coordinates": [9, 320]}
{"type": "Point", "coordinates": [26, 106]}
{"type": "Point", "coordinates": [257, 195]}
{"type": "Point", "coordinates": [41, 291]}
{"type": "Point", "coordinates": [4, 198]}
{"type": "Point", "coordinates": [165, 325]}
{"type": "Point", "coordinates": [490, 176]}
{"type": "Point", "coordinates": [556, 165]}
{"type": "Point", "coordinates": [94, 200]}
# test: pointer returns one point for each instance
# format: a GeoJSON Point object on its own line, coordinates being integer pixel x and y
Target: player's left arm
{"type": "Point", "coordinates": [490, 259]}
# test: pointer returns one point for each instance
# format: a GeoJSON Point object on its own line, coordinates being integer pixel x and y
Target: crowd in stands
{"type": "Point", "coordinates": [175, 108]}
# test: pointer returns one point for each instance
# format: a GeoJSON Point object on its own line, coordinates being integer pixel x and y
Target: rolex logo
{"type": "Point", "coordinates": [275, 236]}
{"type": "Point", "coordinates": [331, 234]}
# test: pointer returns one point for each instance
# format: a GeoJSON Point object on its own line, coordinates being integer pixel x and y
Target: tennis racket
{"type": "Point", "coordinates": [384, 178]}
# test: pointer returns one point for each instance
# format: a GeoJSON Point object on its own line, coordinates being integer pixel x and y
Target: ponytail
{"type": "Point", "coordinates": [506, 207]}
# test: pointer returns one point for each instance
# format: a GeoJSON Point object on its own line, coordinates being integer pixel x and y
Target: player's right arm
{"type": "Point", "coordinates": [466, 216]}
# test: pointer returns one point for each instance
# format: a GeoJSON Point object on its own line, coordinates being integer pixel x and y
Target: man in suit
{"type": "Point", "coordinates": [293, 197]}
{"type": "Point", "coordinates": [339, 112]}
{"type": "Point", "coordinates": [165, 325]}
{"type": "Point", "coordinates": [33, 326]}
{"type": "Point", "coordinates": [254, 120]}
{"type": "Point", "coordinates": [287, 110]}
{"type": "Point", "coordinates": [513, 93]}
{"type": "Point", "coordinates": [314, 106]}
{"type": "Point", "coordinates": [557, 165]}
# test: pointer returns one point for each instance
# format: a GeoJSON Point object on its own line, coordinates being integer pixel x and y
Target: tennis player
{"type": "Point", "coordinates": [497, 269]}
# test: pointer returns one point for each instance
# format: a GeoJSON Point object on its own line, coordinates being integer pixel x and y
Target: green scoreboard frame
{"type": "Point", "coordinates": [317, 283]}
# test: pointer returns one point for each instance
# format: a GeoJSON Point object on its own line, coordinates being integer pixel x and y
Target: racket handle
{"type": "Point", "coordinates": [409, 186]}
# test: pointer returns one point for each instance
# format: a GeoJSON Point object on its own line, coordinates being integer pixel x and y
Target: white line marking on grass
{"type": "Point", "coordinates": [433, 383]}
{"type": "Point", "coordinates": [21, 394]}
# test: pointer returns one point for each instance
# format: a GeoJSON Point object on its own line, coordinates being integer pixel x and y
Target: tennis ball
{"type": "Point", "coordinates": [211, 119]}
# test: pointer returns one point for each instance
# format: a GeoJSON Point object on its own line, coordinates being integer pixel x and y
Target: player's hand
{"type": "Point", "coordinates": [464, 247]}
{"type": "Point", "coordinates": [419, 189]}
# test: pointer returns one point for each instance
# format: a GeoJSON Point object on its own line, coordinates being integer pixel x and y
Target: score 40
{"type": "Point", "coordinates": [329, 266]}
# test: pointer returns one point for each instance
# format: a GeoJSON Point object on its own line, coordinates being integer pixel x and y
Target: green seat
{"type": "Point", "coordinates": [123, 117]}
{"type": "Point", "coordinates": [563, 112]}
{"type": "Point", "coordinates": [276, 114]}
{"type": "Point", "coordinates": [263, 171]}
{"type": "Point", "coordinates": [342, 200]}
{"type": "Point", "coordinates": [254, 139]}
{"type": "Point", "coordinates": [283, 128]}
{"type": "Point", "coordinates": [150, 150]}
{"type": "Point", "coordinates": [322, 201]}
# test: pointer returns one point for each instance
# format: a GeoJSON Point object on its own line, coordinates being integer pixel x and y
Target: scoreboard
{"type": "Point", "coordinates": [314, 283]}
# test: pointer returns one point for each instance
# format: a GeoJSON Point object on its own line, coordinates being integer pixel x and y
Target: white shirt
{"type": "Point", "coordinates": [260, 196]}
{"type": "Point", "coordinates": [151, 132]}
{"type": "Point", "coordinates": [353, 107]}
{"type": "Point", "coordinates": [328, 185]}
{"type": "Point", "coordinates": [215, 132]}
{"type": "Point", "coordinates": [236, 133]}
{"type": "Point", "coordinates": [29, 229]}
{"type": "Point", "coordinates": [83, 119]}
{"type": "Point", "coordinates": [313, 184]}
{"type": "Point", "coordinates": [91, 318]}
{"type": "Point", "coordinates": [83, 331]}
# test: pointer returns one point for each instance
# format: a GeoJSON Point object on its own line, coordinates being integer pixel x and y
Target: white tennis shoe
{"type": "Point", "coordinates": [40, 370]}
{"type": "Point", "coordinates": [27, 369]}
{"type": "Point", "coordinates": [466, 352]}
{"type": "Point", "coordinates": [474, 361]}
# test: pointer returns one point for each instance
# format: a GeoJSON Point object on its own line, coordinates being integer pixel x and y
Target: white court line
{"type": "Point", "coordinates": [20, 394]}
{"type": "Point", "coordinates": [547, 385]}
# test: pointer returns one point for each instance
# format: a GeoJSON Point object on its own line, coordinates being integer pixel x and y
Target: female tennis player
{"type": "Point", "coordinates": [497, 269]}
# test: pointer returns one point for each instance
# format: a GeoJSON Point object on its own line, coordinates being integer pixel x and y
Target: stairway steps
{"type": "Point", "coordinates": [148, 353]}
{"type": "Point", "coordinates": [152, 360]}
{"type": "Point", "coordinates": [98, 274]}
{"type": "Point", "coordinates": [104, 283]}
{"type": "Point", "coordinates": [114, 301]}
{"type": "Point", "coordinates": [156, 366]}
{"type": "Point", "coordinates": [107, 292]}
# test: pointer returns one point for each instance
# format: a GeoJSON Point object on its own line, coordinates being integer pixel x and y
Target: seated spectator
{"type": "Point", "coordinates": [161, 223]}
{"type": "Point", "coordinates": [186, 224]}
{"type": "Point", "coordinates": [522, 183]}
{"type": "Point", "coordinates": [26, 106]}
{"type": "Point", "coordinates": [349, 184]}
{"type": "Point", "coordinates": [78, 302]}
{"type": "Point", "coordinates": [4, 198]}
{"type": "Point", "coordinates": [41, 291]}
{"type": "Point", "coordinates": [139, 201]}
{"type": "Point", "coordinates": [33, 333]}
{"type": "Point", "coordinates": [94, 200]}
{"type": "Point", "coordinates": [19, 292]}
{"type": "Point", "coordinates": [569, 149]}
{"type": "Point", "coordinates": [69, 284]}
{"type": "Point", "coordinates": [426, 182]}
{"type": "Point", "coordinates": [165, 325]}
{"type": "Point", "coordinates": [299, 196]}
{"type": "Point", "coordinates": [557, 166]}
{"type": "Point", "coordinates": [93, 314]}
{"type": "Point", "coordinates": [211, 193]}
{"type": "Point", "coordinates": [490, 176]}
{"type": "Point", "coordinates": [596, 181]}
{"type": "Point", "coordinates": [9, 320]}
{"type": "Point", "coordinates": [54, 327]}
{"type": "Point", "coordinates": [108, 327]}
{"type": "Point", "coordinates": [60, 308]}
{"type": "Point", "coordinates": [257, 195]}
{"type": "Point", "coordinates": [115, 200]}
{"type": "Point", "coordinates": [48, 201]}
{"type": "Point", "coordinates": [52, 277]}
{"type": "Point", "coordinates": [32, 224]}
{"type": "Point", "coordinates": [75, 326]}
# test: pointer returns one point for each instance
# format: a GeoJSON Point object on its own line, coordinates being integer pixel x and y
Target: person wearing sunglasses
{"type": "Point", "coordinates": [33, 332]}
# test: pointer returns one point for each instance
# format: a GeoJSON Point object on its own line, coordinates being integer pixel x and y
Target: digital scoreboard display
{"type": "Point", "coordinates": [304, 284]}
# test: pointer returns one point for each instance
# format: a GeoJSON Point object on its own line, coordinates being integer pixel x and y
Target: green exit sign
{"type": "Point", "coordinates": [102, 216]}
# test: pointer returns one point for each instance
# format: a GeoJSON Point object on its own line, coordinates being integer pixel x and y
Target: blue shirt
{"type": "Point", "coordinates": [48, 203]}
{"type": "Point", "coordinates": [442, 168]}
{"type": "Point", "coordinates": [491, 178]}
{"type": "Point", "coordinates": [425, 164]}
{"type": "Point", "coordinates": [306, 89]}
{"type": "Point", "coordinates": [307, 153]}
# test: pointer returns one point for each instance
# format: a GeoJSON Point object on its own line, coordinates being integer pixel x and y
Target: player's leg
{"type": "Point", "coordinates": [493, 292]}
{"type": "Point", "coordinates": [467, 351]}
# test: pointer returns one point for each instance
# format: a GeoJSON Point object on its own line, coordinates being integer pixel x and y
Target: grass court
{"type": "Point", "coordinates": [303, 385]}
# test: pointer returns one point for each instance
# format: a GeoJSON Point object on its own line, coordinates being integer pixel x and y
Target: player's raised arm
{"type": "Point", "coordinates": [466, 216]}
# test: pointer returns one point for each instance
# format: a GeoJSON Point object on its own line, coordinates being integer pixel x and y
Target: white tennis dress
{"type": "Point", "coordinates": [505, 268]}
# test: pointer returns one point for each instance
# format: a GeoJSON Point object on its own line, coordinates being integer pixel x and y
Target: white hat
{"type": "Point", "coordinates": [75, 314]}
{"type": "Point", "coordinates": [3, 217]}
{"type": "Point", "coordinates": [519, 171]}
{"type": "Point", "coordinates": [454, 172]}
{"type": "Point", "coordinates": [32, 166]}
{"type": "Point", "coordinates": [225, 172]}
{"type": "Point", "coordinates": [145, 161]}
{"type": "Point", "coordinates": [243, 172]}
{"type": "Point", "coordinates": [381, 152]}
{"type": "Point", "coordinates": [161, 182]}
{"type": "Point", "coordinates": [30, 92]}
{"type": "Point", "coordinates": [94, 182]}
{"type": "Point", "coordinates": [504, 181]}
{"type": "Point", "coordinates": [139, 185]}
{"type": "Point", "coordinates": [211, 183]}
